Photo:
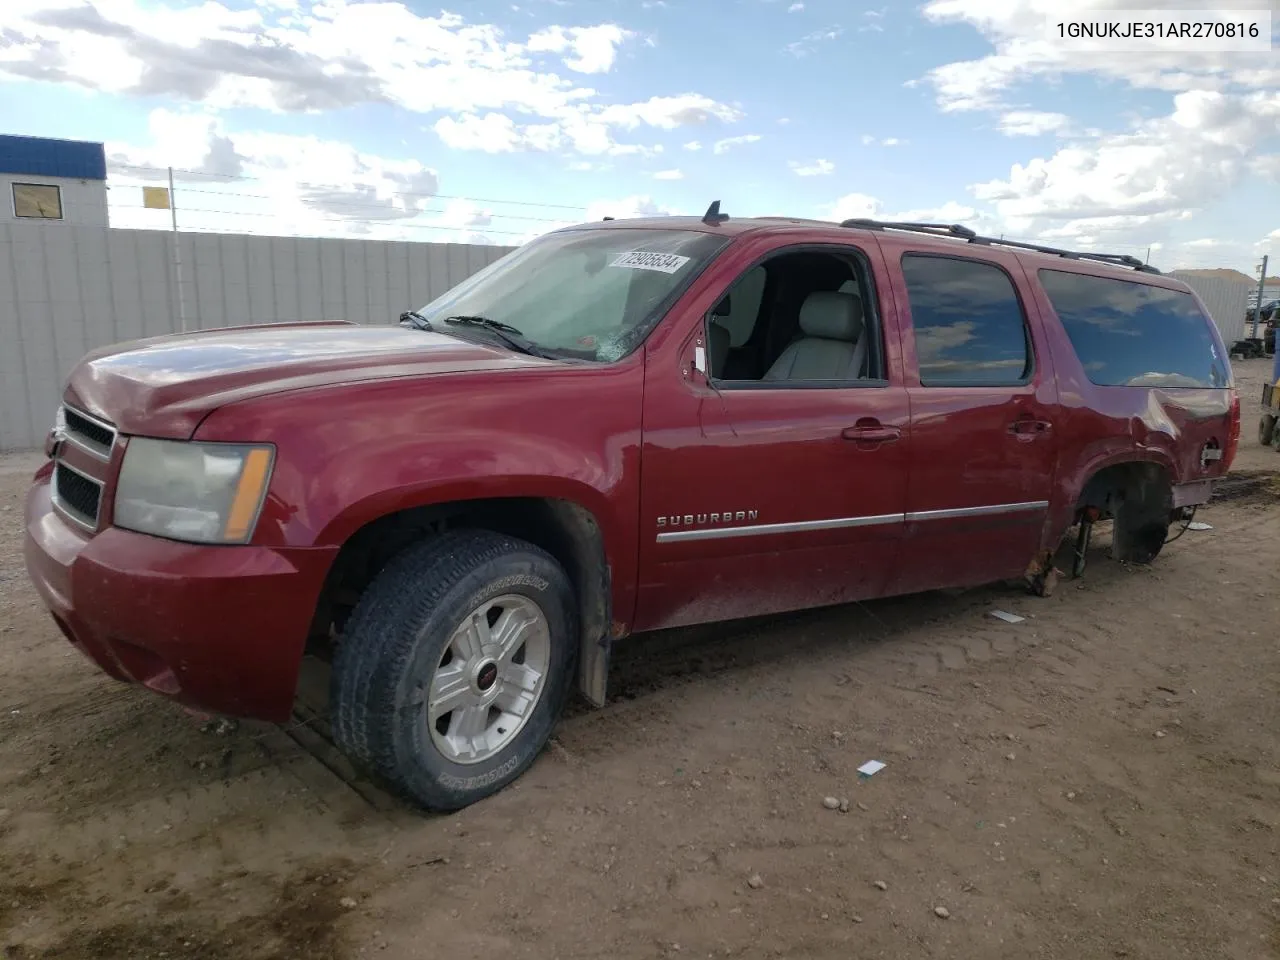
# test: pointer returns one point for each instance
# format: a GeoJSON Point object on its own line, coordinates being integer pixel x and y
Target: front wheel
{"type": "Point", "coordinates": [455, 667]}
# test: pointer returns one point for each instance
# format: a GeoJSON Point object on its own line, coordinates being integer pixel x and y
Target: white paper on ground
{"type": "Point", "coordinates": [1199, 525]}
{"type": "Point", "coordinates": [870, 767]}
{"type": "Point", "coordinates": [1007, 617]}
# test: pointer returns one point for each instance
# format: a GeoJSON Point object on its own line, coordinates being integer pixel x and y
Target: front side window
{"type": "Point", "coordinates": [592, 294]}
{"type": "Point", "coordinates": [970, 329]}
{"type": "Point", "coordinates": [37, 201]}
{"type": "Point", "coordinates": [805, 317]}
{"type": "Point", "coordinates": [1135, 334]}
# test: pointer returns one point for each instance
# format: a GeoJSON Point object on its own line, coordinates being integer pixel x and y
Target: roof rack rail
{"type": "Point", "coordinates": [964, 233]}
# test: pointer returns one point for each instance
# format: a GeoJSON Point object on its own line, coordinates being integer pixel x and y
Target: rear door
{"type": "Point", "coordinates": [983, 419]}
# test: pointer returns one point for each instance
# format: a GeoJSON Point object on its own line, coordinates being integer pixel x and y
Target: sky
{"type": "Point", "coordinates": [492, 122]}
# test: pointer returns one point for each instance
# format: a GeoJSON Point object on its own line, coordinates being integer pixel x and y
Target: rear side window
{"type": "Point", "coordinates": [1130, 334]}
{"type": "Point", "coordinates": [969, 326]}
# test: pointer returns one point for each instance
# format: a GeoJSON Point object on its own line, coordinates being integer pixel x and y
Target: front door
{"type": "Point", "coordinates": [778, 481]}
{"type": "Point", "coordinates": [983, 402]}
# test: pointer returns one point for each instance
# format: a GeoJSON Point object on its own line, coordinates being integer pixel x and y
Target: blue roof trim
{"type": "Point", "coordinates": [42, 157]}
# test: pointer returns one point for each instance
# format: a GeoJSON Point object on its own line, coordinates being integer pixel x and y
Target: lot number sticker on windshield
{"type": "Point", "coordinates": [643, 260]}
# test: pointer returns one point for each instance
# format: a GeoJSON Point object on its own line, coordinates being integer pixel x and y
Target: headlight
{"type": "Point", "coordinates": [198, 492]}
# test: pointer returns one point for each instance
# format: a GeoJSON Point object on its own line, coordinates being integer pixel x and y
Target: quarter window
{"type": "Point", "coordinates": [1135, 334]}
{"type": "Point", "coordinates": [969, 325]}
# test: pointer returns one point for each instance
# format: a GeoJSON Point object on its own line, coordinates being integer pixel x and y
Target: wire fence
{"type": "Point", "coordinates": [389, 206]}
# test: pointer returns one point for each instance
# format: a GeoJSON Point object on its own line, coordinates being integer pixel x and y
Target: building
{"type": "Point", "coordinates": [45, 180]}
{"type": "Point", "coordinates": [1225, 294]}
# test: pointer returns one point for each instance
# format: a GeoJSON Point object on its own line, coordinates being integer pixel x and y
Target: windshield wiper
{"type": "Point", "coordinates": [505, 332]}
{"type": "Point", "coordinates": [412, 318]}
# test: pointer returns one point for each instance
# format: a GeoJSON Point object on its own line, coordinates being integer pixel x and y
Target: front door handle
{"type": "Point", "coordinates": [874, 432]}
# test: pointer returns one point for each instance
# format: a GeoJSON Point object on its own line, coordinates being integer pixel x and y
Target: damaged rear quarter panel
{"type": "Point", "coordinates": [1101, 426]}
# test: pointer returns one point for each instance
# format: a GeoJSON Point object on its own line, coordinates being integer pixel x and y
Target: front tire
{"type": "Point", "coordinates": [455, 666]}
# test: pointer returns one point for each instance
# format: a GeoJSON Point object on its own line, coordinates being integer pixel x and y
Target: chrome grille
{"type": "Point", "coordinates": [89, 433]}
{"type": "Point", "coordinates": [82, 455]}
{"type": "Point", "coordinates": [77, 496]}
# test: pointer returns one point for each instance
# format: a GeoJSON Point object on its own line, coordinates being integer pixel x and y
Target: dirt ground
{"type": "Point", "coordinates": [1100, 780]}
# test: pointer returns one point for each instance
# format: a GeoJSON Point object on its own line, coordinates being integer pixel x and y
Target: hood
{"type": "Point", "coordinates": [165, 386]}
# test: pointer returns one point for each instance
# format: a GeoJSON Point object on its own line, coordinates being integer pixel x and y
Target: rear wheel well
{"type": "Point", "coordinates": [566, 530]}
{"type": "Point", "coordinates": [1115, 484]}
{"type": "Point", "coordinates": [1138, 496]}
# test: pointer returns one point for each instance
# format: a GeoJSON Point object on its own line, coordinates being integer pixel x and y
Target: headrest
{"type": "Point", "coordinates": [830, 315]}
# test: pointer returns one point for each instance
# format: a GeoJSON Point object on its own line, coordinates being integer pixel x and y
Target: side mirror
{"type": "Point", "coordinates": [723, 307]}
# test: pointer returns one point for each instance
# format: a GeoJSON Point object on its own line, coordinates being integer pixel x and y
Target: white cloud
{"type": "Point", "coordinates": [854, 206]}
{"type": "Point", "coordinates": [857, 206]}
{"type": "Point", "coordinates": [465, 213]}
{"type": "Point", "coordinates": [492, 133]}
{"type": "Point", "coordinates": [868, 140]}
{"type": "Point", "coordinates": [593, 49]}
{"type": "Point", "coordinates": [810, 41]}
{"type": "Point", "coordinates": [669, 175]}
{"type": "Point", "coordinates": [693, 145]}
{"type": "Point", "coordinates": [727, 144]}
{"type": "Point", "coordinates": [258, 182]}
{"type": "Point", "coordinates": [1267, 166]}
{"type": "Point", "coordinates": [819, 168]}
{"type": "Point", "coordinates": [1032, 123]}
{"type": "Point", "coordinates": [795, 8]}
{"type": "Point", "coordinates": [1018, 29]}
{"type": "Point", "coordinates": [330, 54]}
{"type": "Point", "coordinates": [668, 113]}
{"type": "Point", "coordinates": [628, 208]}
{"type": "Point", "coordinates": [1164, 168]}
{"type": "Point", "coordinates": [585, 132]}
{"type": "Point", "coordinates": [949, 212]}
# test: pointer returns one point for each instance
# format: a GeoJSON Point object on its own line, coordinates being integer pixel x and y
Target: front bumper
{"type": "Point", "coordinates": [218, 629]}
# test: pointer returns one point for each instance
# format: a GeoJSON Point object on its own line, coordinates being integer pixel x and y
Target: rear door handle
{"type": "Point", "coordinates": [871, 433]}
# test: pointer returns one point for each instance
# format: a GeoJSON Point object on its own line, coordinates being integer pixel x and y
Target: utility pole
{"type": "Point", "coordinates": [177, 255]}
{"type": "Point", "coordinates": [1257, 308]}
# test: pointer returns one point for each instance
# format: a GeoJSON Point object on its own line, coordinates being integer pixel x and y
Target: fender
{"type": "Point", "coordinates": [349, 454]}
{"type": "Point", "coordinates": [439, 491]}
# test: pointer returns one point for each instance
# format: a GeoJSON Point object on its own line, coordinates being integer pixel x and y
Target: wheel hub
{"type": "Point", "coordinates": [486, 676]}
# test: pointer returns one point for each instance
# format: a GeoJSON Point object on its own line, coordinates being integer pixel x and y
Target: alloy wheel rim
{"type": "Point", "coordinates": [489, 679]}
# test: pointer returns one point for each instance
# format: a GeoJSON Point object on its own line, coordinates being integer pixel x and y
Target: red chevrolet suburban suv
{"type": "Point", "coordinates": [618, 427]}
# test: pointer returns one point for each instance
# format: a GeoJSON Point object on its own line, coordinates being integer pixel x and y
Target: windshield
{"type": "Point", "coordinates": [580, 293]}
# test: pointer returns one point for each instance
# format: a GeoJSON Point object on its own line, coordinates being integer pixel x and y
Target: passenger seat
{"type": "Point", "coordinates": [833, 345]}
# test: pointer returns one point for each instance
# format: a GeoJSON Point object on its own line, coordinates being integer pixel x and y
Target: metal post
{"type": "Point", "coordinates": [1148, 260]}
{"type": "Point", "coordinates": [177, 256]}
{"type": "Point", "coordinates": [1257, 310]}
